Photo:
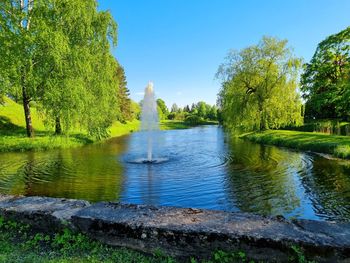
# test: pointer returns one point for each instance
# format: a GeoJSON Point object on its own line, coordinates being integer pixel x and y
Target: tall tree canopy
{"type": "Point", "coordinates": [58, 54]}
{"type": "Point", "coordinates": [259, 87]}
{"type": "Point", "coordinates": [326, 79]}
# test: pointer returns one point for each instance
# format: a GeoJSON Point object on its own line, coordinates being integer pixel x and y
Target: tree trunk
{"type": "Point", "coordinates": [28, 117]}
{"type": "Point", "coordinates": [25, 97]}
{"type": "Point", "coordinates": [262, 117]}
{"type": "Point", "coordinates": [58, 128]}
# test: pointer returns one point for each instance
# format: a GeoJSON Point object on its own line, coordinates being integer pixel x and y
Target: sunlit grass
{"type": "Point", "coordinates": [175, 124]}
{"type": "Point", "coordinates": [13, 133]}
{"type": "Point", "coordinates": [119, 129]}
{"type": "Point", "coordinates": [336, 145]}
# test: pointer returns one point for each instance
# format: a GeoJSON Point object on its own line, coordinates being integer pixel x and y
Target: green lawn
{"type": "Point", "coordinates": [175, 124]}
{"type": "Point", "coordinates": [338, 146]}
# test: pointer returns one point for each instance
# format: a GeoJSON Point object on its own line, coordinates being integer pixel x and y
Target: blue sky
{"type": "Point", "coordinates": [179, 44]}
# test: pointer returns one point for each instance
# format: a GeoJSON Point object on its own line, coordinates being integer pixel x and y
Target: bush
{"type": "Point", "coordinates": [194, 120]}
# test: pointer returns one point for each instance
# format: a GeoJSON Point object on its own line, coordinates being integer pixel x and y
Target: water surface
{"type": "Point", "coordinates": [205, 169]}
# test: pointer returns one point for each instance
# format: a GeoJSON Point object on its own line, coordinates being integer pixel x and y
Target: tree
{"type": "Point", "coordinates": [326, 80]}
{"type": "Point", "coordinates": [135, 110]}
{"type": "Point", "coordinates": [212, 113]}
{"type": "Point", "coordinates": [58, 54]}
{"type": "Point", "coordinates": [201, 109]}
{"type": "Point", "coordinates": [259, 87]}
{"type": "Point", "coordinates": [174, 108]}
{"type": "Point", "coordinates": [162, 109]}
{"type": "Point", "coordinates": [124, 102]}
{"type": "Point", "coordinates": [18, 52]}
{"type": "Point", "coordinates": [187, 109]}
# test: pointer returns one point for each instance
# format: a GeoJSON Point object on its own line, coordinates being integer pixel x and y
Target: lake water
{"type": "Point", "coordinates": [205, 168]}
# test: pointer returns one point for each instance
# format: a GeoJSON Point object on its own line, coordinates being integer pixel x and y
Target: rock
{"type": "Point", "coordinates": [183, 232]}
{"type": "Point", "coordinates": [43, 213]}
{"type": "Point", "coordinates": [194, 232]}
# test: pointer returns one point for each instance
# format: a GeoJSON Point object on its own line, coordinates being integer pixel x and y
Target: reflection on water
{"type": "Point", "coordinates": [90, 172]}
{"type": "Point", "coordinates": [204, 169]}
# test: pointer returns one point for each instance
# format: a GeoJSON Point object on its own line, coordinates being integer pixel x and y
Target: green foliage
{"type": "Point", "coordinates": [259, 87]}
{"type": "Point", "coordinates": [162, 109]}
{"type": "Point", "coordinates": [329, 126]}
{"type": "Point", "coordinates": [338, 146]}
{"type": "Point", "coordinates": [194, 120]}
{"type": "Point", "coordinates": [174, 108]}
{"type": "Point", "coordinates": [326, 79]}
{"type": "Point", "coordinates": [12, 129]}
{"type": "Point", "coordinates": [135, 110]}
{"type": "Point", "coordinates": [200, 113]}
{"type": "Point", "coordinates": [58, 54]}
{"type": "Point", "coordinates": [19, 243]}
{"type": "Point", "coordinates": [124, 102]}
{"type": "Point", "coordinates": [298, 255]}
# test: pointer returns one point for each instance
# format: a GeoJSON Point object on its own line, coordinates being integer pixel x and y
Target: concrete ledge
{"type": "Point", "coordinates": [184, 232]}
{"type": "Point", "coordinates": [42, 213]}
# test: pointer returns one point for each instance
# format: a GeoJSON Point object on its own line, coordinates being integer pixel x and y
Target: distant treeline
{"type": "Point", "coordinates": [197, 113]}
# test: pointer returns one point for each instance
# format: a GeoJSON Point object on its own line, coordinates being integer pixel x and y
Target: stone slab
{"type": "Point", "coordinates": [194, 232]}
{"type": "Point", "coordinates": [43, 213]}
{"type": "Point", "coordinates": [183, 232]}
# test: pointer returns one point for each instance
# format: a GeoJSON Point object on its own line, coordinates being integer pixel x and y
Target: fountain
{"type": "Point", "coordinates": [149, 120]}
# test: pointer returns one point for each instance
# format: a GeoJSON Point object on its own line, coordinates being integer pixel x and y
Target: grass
{"type": "Point", "coordinates": [330, 126]}
{"type": "Point", "coordinates": [339, 146]}
{"type": "Point", "coordinates": [19, 243]}
{"type": "Point", "coordinates": [119, 129]}
{"type": "Point", "coordinates": [13, 134]}
{"type": "Point", "coordinates": [175, 124]}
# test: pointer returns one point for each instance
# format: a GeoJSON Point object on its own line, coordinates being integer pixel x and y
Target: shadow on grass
{"type": "Point", "coordinates": [13, 138]}
{"type": "Point", "coordinates": [8, 128]}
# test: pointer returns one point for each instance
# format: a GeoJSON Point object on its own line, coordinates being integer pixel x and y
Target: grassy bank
{"type": "Point", "coordinates": [174, 124]}
{"type": "Point", "coordinates": [46, 140]}
{"type": "Point", "coordinates": [13, 134]}
{"type": "Point", "coordinates": [338, 146]}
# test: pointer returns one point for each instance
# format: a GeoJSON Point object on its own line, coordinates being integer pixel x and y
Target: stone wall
{"type": "Point", "coordinates": [183, 232]}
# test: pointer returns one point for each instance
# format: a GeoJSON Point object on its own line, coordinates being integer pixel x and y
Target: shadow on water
{"type": "Point", "coordinates": [205, 169]}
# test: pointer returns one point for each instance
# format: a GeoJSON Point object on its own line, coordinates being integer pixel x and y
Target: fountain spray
{"type": "Point", "coordinates": [149, 118]}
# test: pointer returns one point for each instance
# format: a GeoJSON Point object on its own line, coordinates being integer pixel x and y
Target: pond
{"type": "Point", "coordinates": [204, 168]}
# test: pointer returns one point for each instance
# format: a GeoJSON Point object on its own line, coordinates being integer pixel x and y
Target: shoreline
{"type": "Point", "coordinates": [45, 141]}
{"type": "Point", "coordinates": [334, 145]}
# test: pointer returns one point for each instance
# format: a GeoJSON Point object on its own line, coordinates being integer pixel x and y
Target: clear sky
{"type": "Point", "coordinates": [179, 44]}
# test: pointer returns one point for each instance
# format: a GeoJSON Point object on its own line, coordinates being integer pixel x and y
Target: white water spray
{"type": "Point", "coordinates": [149, 118]}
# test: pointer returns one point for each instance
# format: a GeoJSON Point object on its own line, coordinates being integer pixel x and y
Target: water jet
{"type": "Point", "coordinates": [149, 120]}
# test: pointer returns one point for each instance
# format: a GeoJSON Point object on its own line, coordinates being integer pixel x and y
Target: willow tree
{"type": "Point", "coordinates": [259, 87]}
{"type": "Point", "coordinates": [58, 54]}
